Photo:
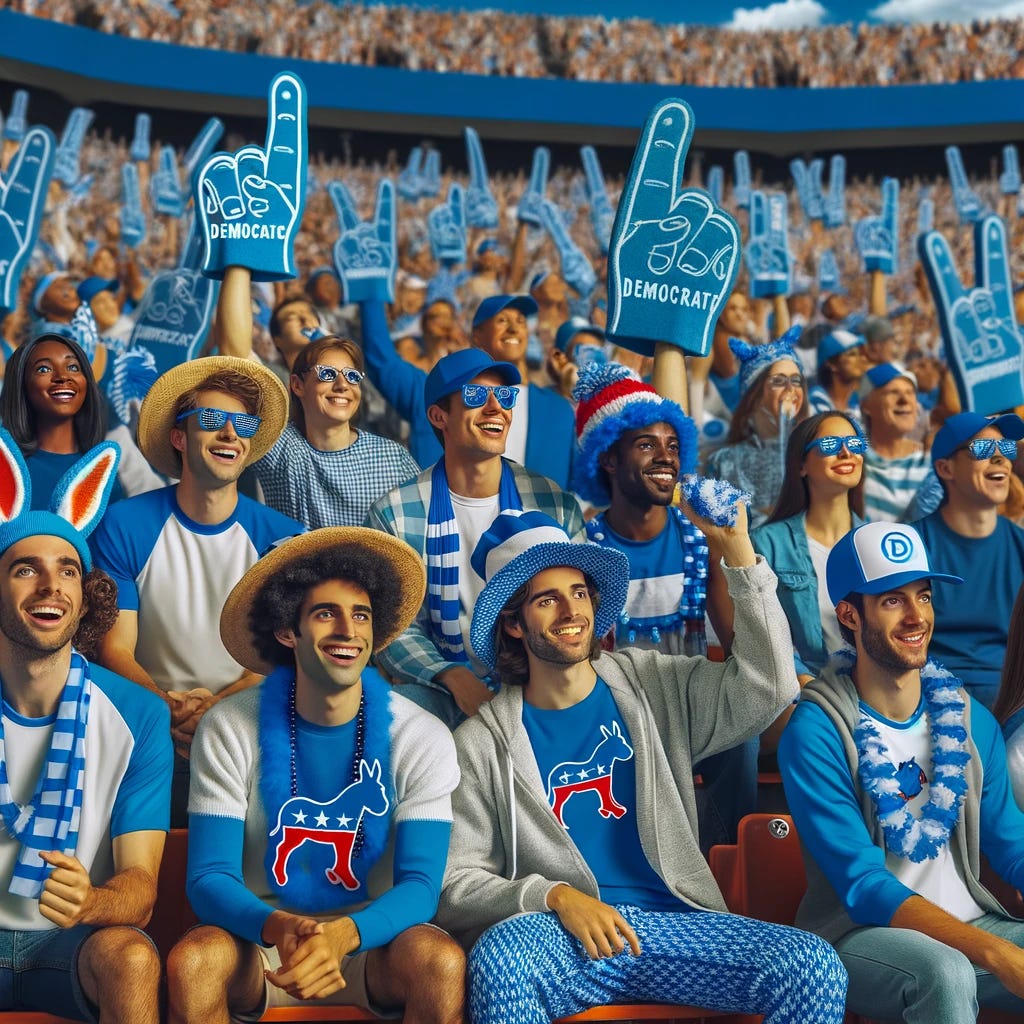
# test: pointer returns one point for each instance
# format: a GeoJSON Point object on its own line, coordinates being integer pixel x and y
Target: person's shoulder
{"type": "Point", "coordinates": [411, 723]}
{"type": "Point", "coordinates": [134, 703]}
{"type": "Point", "coordinates": [148, 507]}
{"type": "Point", "coordinates": [251, 513]}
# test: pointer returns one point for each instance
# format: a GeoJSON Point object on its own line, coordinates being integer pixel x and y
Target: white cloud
{"type": "Point", "coordinates": [782, 15]}
{"type": "Point", "coordinates": [947, 10]}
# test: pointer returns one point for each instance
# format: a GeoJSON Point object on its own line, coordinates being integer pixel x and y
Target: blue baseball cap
{"type": "Point", "coordinates": [877, 557]}
{"type": "Point", "coordinates": [836, 342]}
{"type": "Point", "coordinates": [494, 304]}
{"type": "Point", "coordinates": [490, 245]}
{"type": "Point", "coordinates": [959, 429]}
{"type": "Point", "coordinates": [882, 374]}
{"type": "Point", "coordinates": [458, 368]}
{"type": "Point", "coordinates": [573, 326]}
{"type": "Point", "coordinates": [92, 286]}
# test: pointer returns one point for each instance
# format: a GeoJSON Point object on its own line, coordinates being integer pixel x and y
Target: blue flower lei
{"type": "Point", "coordinates": [917, 838]}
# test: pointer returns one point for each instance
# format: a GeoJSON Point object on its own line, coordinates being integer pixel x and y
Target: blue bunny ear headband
{"type": "Point", "coordinates": [78, 503]}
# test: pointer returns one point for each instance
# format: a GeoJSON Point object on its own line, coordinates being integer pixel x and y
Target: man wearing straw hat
{"type": "Point", "coordinates": [574, 850]}
{"type": "Point", "coordinates": [320, 810]}
{"type": "Point", "coordinates": [175, 553]}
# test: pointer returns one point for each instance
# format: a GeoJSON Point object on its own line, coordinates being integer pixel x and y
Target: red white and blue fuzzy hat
{"type": "Point", "coordinates": [612, 399]}
{"type": "Point", "coordinates": [78, 503]}
{"type": "Point", "coordinates": [755, 359]}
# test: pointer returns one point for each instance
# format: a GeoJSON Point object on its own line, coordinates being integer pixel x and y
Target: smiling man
{"type": "Point", "coordinates": [973, 459]}
{"type": "Point", "coordinates": [897, 782]}
{"type": "Point", "coordinates": [574, 870]}
{"type": "Point", "coordinates": [175, 553]}
{"type": "Point", "coordinates": [471, 402]}
{"type": "Point", "coordinates": [321, 802]}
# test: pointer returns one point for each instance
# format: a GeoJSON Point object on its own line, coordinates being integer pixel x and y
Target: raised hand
{"type": "Point", "coordinates": [140, 142]}
{"type": "Point", "coordinates": [65, 165]}
{"type": "Point", "coordinates": [133, 218]}
{"type": "Point", "coordinates": [828, 272]}
{"type": "Point", "coordinates": [250, 203]}
{"type": "Point", "coordinates": [1009, 180]}
{"type": "Point", "coordinates": [741, 178]}
{"type": "Point", "coordinates": [530, 209]}
{"type": "Point", "coordinates": [602, 216]}
{"type": "Point", "coordinates": [978, 325]}
{"type": "Point", "coordinates": [165, 186]}
{"type": "Point", "coordinates": [767, 252]}
{"type": "Point", "coordinates": [877, 238]}
{"type": "Point", "coordinates": [835, 202]}
{"type": "Point", "coordinates": [22, 203]}
{"type": "Point", "coordinates": [17, 120]}
{"type": "Point", "coordinates": [366, 254]}
{"type": "Point", "coordinates": [446, 225]}
{"type": "Point", "coordinates": [969, 207]}
{"type": "Point", "coordinates": [716, 184]}
{"type": "Point", "coordinates": [410, 183]}
{"type": "Point", "coordinates": [674, 255]}
{"type": "Point", "coordinates": [202, 146]}
{"type": "Point", "coordinates": [481, 206]}
{"type": "Point", "coordinates": [576, 268]}
{"type": "Point", "coordinates": [430, 184]}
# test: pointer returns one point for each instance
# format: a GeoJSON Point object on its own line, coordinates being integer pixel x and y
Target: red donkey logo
{"type": "Point", "coordinates": [301, 819]}
{"type": "Point", "coordinates": [592, 775]}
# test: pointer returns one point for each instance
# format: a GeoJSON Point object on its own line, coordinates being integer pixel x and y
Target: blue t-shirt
{"type": "Point", "coordinates": [585, 757]}
{"type": "Point", "coordinates": [45, 470]}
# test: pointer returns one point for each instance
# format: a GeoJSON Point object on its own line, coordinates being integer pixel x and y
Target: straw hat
{"type": "Point", "coordinates": [156, 417]}
{"type": "Point", "coordinates": [404, 561]}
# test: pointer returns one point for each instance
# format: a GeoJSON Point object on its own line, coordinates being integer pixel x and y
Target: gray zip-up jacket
{"type": "Point", "coordinates": [508, 850]}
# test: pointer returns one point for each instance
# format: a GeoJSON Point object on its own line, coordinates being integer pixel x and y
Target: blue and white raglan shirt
{"type": "Point", "coordinates": [586, 761]}
{"type": "Point", "coordinates": [229, 832]}
{"type": "Point", "coordinates": [177, 574]}
{"type": "Point", "coordinates": [128, 759]}
{"type": "Point", "coordinates": [667, 586]}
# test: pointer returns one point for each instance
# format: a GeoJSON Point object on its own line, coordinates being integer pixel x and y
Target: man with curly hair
{"type": "Point", "coordinates": [320, 809]}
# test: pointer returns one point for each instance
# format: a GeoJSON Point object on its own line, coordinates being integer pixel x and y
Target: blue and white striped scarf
{"type": "Point", "coordinates": [50, 820]}
{"type": "Point", "coordinates": [443, 557]}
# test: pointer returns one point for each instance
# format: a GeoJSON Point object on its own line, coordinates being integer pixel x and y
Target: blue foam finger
{"type": "Point", "coordinates": [803, 183]}
{"type": "Point", "coordinates": [1009, 180]}
{"type": "Point", "coordinates": [969, 206]}
{"type": "Point", "coordinates": [674, 255]}
{"type": "Point", "coordinates": [815, 196]}
{"type": "Point", "coordinates": [165, 186]}
{"type": "Point", "coordinates": [877, 238]}
{"type": "Point", "coordinates": [133, 219]}
{"type": "Point", "coordinates": [530, 206]}
{"type": "Point", "coordinates": [716, 179]}
{"type": "Point", "coordinates": [835, 201]}
{"type": "Point", "coordinates": [202, 146]}
{"type": "Point", "coordinates": [17, 120]}
{"type": "Point", "coordinates": [409, 181]}
{"type": "Point", "coordinates": [344, 205]}
{"type": "Point", "coordinates": [715, 500]}
{"type": "Point", "coordinates": [23, 192]}
{"type": "Point", "coordinates": [925, 216]}
{"type": "Point", "coordinates": [250, 203]}
{"type": "Point", "coordinates": [741, 178]}
{"type": "Point", "coordinates": [446, 228]}
{"type": "Point", "coordinates": [576, 269]}
{"type": "Point", "coordinates": [430, 185]}
{"type": "Point", "coordinates": [828, 272]}
{"type": "Point", "coordinates": [65, 167]}
{"type": "Point", "coordinates": [481, 207]}
{"type": "Point", "coordinates": [140, 141]}
{"type": "Point", "coordinates": [602, 216]}
{"type": "Point", "coordinates": [365, 255]}
{"type": "Point", "coordinates": [767, 253]}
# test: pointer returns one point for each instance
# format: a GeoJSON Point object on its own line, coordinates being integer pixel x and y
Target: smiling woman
{"type": "Point", "coordinates": [53, 409]}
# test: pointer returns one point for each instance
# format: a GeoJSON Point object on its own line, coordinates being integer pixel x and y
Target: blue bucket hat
{"type": "Point", "coordinates": [516, 547]}
{"type": "Point", "coordinates": [458, 368]}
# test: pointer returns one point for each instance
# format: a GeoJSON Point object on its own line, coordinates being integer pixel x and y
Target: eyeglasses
{"type": "Point", "coordinates": [833, 445]}
{"type": "Point", "coordinates": [780, 381]}
{"type": "Point", "coordinates": [475, 395]}
{"type": "Point", "coordinates": [329, 374]}
{"type": "Point", "coordinates": [982, 448]}
{"type": "Point", "coordinates": [245, 423]}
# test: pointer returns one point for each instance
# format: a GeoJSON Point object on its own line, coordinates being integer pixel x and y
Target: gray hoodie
{"type": "Point", "coordinates": [508, 850]}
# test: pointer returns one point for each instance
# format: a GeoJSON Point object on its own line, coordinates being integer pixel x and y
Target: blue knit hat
{"type": "Point", "coordinates": [612, 400]}
{"type": "Point", "coordinates": [755, 359]}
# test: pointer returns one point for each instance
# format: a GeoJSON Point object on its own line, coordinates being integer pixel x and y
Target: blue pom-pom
{"type": "Point", "coordinates": [715, 500]}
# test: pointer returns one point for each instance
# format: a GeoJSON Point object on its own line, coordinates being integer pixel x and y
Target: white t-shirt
{"type": "Point", "coordinates": [474, 516]}
{"type": "Point", "coordinates": [829, 623]}
{"type": "Point", "coordinates": [515, 442]}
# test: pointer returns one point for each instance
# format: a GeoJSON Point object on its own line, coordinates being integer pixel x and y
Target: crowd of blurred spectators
{"type": "Point", "coordinates": [591, 48]}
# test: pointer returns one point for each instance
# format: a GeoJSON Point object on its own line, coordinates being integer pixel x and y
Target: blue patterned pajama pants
{"type": "Point", "coordinates": [530, 970]}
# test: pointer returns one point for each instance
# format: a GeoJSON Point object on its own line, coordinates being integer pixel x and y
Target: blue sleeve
{"type": "Point", "coordinates": [143, 800]}
{"type": "Point", "coordinates": [1002, 821]}
{"type": "Point", "coordinates": [421, 852]}
{"type": "Point", "coordinates": [124, 540]}
{"type": "Point", "coordinates": [398, 381]}
{"type": "Point", "coordinates": [214, 885]}
{"type": "Point", "coordinates": [265, 526]}
{"type": "Point", "coordinates": [823, 801]}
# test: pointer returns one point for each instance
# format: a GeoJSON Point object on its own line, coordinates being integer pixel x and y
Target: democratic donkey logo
{"type": "Point", "coordinates": [334, 824]}
{"type": "Point", "coordinates": [911, 779]}
{"type": "Point", "coordinates": [594, 775]}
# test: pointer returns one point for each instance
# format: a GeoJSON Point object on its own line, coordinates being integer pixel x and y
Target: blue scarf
{"type": "Point", "coordinates": [50, 821]}
{"type": "Point", "coordinates": [443, 557]}
{"type": "Point", "coordinates": [307, 889]}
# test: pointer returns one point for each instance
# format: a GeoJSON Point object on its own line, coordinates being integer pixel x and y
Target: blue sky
{"type": "Point", "coordinates": [755, 14]}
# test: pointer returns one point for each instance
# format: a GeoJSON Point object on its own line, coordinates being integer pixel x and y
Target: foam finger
{"type": "Point", "coordinates": [286, 134]}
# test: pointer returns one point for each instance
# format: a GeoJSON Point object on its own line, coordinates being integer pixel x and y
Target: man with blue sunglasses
{"type": "Point", "coordinates": [471, 404]}
{"type": "Point", "coordinates": [175, 553]}
{"type": "Point", "coordinates": [973, 458]}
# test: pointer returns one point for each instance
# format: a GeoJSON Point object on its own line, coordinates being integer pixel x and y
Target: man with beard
{"type": "Point", "coordinates": [85, 768]}
{"type": "Point", "coordinates": [897, 782]}
{"type": "Point", "coordinates": [574, 833]}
